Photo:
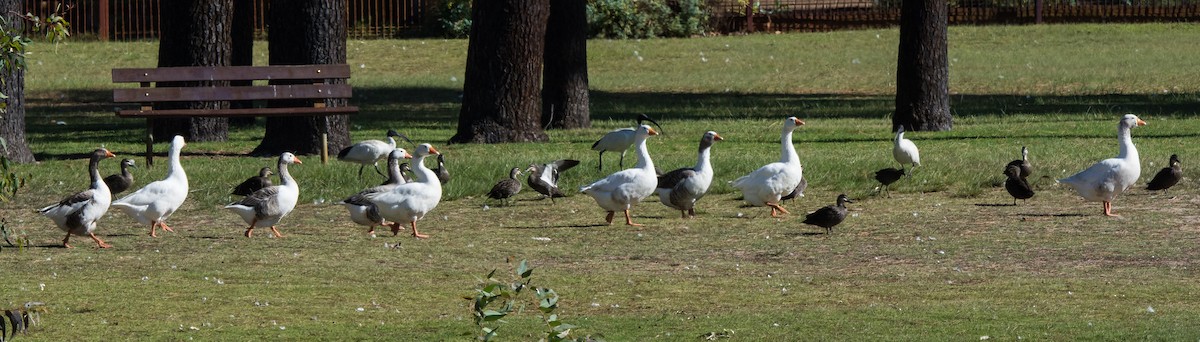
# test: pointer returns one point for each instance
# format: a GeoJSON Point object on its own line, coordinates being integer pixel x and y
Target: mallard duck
{"type": "Point", "coordinates": [1016, 185]}
{"type": "Point", "coordinates": [1167, 177]}
{"type": "Point", "coordinates": [155, 202]}
{"type": "Point", "coordinates": [265, 207]}
{"type": "Point", "coordinates": [1023, 163]}
{"type": "Point", "coordinates": [369, 152]}
{"type": "Point", "coordinates": [620, 190]}
{"type": "Point", "coordinates": [544, 178]}
{"type": "Point", "coordinates": [767, 185]}
{"type": "Point", "coordinates": [830, 215]}
{"type": "Point", "coordinates": [506, 188]}
{"type": "Point", "coordinates": [252, 184]}
{"type": "Point", "coordinates": [362, 211]}
{"type": "Point", "coordinates": [886, 177]}
{"type": "Point", "coordinates": [904, 150]}
{"type": "Point", "coordinates": [619, 140]}
{"type": "Point", "coordinates": [118, 183]}
{"type": "Point", "coordinates": [409, 202]}
{"type": "Point", "coordinates": [1103, 181]}
{"type": "Point", "coordinates": [77, 214]}
{"type": "Point", "coordinates": [681, 188]}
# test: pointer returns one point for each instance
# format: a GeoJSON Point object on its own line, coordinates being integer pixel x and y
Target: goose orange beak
{"type": "Point", "coordinates": [1141, 123]}
{"type": "Point", "coordinates": [108, 154]}
{"type": "Point", "coordinates": [407, 156]}
{"type": "Point", "coordinates": [433, 150]}
{"type": "Point", "coordinates": [653, 132]}
{"type": "Point", "coordinates": [717, 137]}
{"type": "Point", "coordinates": [798, 122]}
{"type": "Point", "coordinates": [297, 159]}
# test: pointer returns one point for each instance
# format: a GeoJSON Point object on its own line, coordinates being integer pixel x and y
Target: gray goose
{"type": "Point", "coordinates": [1167, 177]}
{"type": "Point", "coordinates": [506, 188]}
{"type": "Point", "coordinates": [77, 214]}
{"type": "Point", "coordinates": [830, 215]}
{"type": "Point", "coordinates": [1023, 163]}
{"type": "Point", "coordinates": [362, 211]}
{"type": "Point", "coordinates": [1016, 185]}
{"type": "Point", "coordinates": [442, 174]}
{"type": "Point", "coordinates": [888, 176]}
{"type": "Point", "coordinates": [265, 207]}
{"type": "Point", "coordinates": [118, 183]}
{"type": "Point", "coordinates": [252, 184]}
{"type": "Point", "coordinates": [544, 178]}
{"type": "Point", "coordinates": [681, 188]}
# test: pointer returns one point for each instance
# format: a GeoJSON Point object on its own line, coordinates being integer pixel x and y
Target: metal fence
{"type": "Point", "coordinates": [138, 19]}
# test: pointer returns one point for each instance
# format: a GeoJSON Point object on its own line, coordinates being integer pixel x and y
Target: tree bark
{"type": "Point", "coordinates": [242, 41]}
{"type": "Point", "coordinates": [194, 33]}
{"type": "Point", "coordinates": [306, 32]}
{"type": "Point", "coordinates": [12, 121]}
{"type": "Point", "coordinates": [922, 71]}
{"type": "Point", "coordinates": [504, 64]}
{"type": "Point", "coordinates": [565, 80]}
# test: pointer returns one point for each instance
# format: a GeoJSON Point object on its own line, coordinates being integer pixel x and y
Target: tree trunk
{"type": "Point", "coordinates": [306, 32]}
{"type": "Point", "coordinates": [504, 66]}
{"type": "Point", "coordinates": [565, 82]}
{"type": "Point", "coordinates": [922, 72]}
{"type": "Point", "coordinates": [242, 40]}
{"type": "Point", "coordinates": [194, 33]}
{"type": "Point", "coordinates": [12, 123]}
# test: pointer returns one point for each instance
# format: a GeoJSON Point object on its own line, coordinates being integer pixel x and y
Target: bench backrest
{"type": "Point", "coordinates": [315, 76]}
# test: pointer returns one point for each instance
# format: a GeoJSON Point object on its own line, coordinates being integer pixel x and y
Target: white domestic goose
{"type": "Point", "coordinates": [77, 214]}
{"type": "Point", "coordinates": [619, 191]}
{"type": "Point", "coordinates": [409, 202]}
{"type": "Point", "coordinates": [265, 207]}
{"type": "Point", "coordinates": [1103, 181]}
{"type": "Point", "coordinates": [619, 140]}
{"type": "Point", "coordinates": [155, 202]}
{"type": "Point", "coordinates": [369, 152]}
{"type": "Point", "coordinates": [362, 211]}
{"type": "Point", "coordinates": [681, 188]}
{"type": "Point", "coordinates": [765, 186]}
{"type": "Point", "coordinates": [905, 151]}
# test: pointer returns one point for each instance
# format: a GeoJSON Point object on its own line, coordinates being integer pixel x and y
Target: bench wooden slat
{"type": "Point", "coordinates": [267, 92]}
{"type": "Point", "coordinates": [288, 111]}
{"type": "Point", "coordinates": [231, 73]}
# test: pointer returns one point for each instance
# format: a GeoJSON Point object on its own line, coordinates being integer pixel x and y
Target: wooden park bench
{"type": "Point", "coordinates": [195, 84]}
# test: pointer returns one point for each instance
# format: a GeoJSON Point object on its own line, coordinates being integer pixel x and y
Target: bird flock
{"type": "Point", "coordinates": [403, 201]}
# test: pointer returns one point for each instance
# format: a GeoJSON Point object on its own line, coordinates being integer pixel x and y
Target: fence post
{"type": "Point", "coordinates": [103, 20]}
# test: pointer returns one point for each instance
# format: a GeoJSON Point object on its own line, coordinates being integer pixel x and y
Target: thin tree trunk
{"type": "Point", "coordinates": [242, 39]}
{"type": "Point", "coordinates": [194, 33]}
{"type": "Point", "coordinates": [12, 124]}
{"type": "Point", "coordinates": [565, 83]}
{"type": "Point", "coordinates": [922, 71]}
{"type": "Point", "coordinates": [501, 94]}
{"type": "Point", "coordinates": [306, 32]}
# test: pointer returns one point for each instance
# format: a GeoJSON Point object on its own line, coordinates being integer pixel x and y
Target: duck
{"type": "Point", "coordinates": [1167, 177]}
{"type": "Point", "coordinates": [369, 152]}
{"type": "Point", "coordinates": [681, 188]}
{"type": "Point", "coordinates": [119, 182]}
{"type": "Point", "coordinates": [1023, 163]}
{"type": "Point", "coordinates": [265, 207]}
{"type": "Point", "coordinates": [904, 150]}
{"type": "Point", "coordinates": [155, 202]}
{"type": "Point", "coordinates": [506, 188]}
{"type": "Point", "coordinates": [252, 184]}
{"type": "Point", "coordinates": [443, 175]}
{"type": "Point", "coordinates": [619, 140]}
{"type": "Point", "coordinates": [362, 211]}
{"type": "Point", "coordinates": [77, 214]}
{"type": "Point", "coordinates": [829, 216]}
{"type": "Point", "coordinates": [887, 176]}
{"type": "Point", "coordinates": [767, 185]}
{"type": "Point", "coordinates": [405, 170]}
{"type": "Point", "coordinates": [620, 190]}
{"type": "Point", "coordinates": [798, 191]}
{"type": "Point", "coordinates": [409, 202]}
{"type": "Point", "coordinates": [543, 178]}
{"type": "Point", "coordinates": [1106, 179]}
{"type": "Point", "coordinates": [1016, 185]}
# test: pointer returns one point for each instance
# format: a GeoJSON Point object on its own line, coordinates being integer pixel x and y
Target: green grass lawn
{"type": "Point", "coordinates": [943, 258]}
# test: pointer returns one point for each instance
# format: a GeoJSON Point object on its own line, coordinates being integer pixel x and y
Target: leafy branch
{"type": "Point", "coordinates": [495, 299]}
{"type": "Point", "coordinates": [14, 43]}
{"type": "Point", "coordinates": [20, 319]}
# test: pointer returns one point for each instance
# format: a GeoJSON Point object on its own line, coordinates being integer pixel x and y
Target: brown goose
{"type": "Point", "coordinates": [362, 211]}
{"type": "Point", "coordinates": [252, 184]}
{"type": "Point", "coordinates": [442, 174]}
{"type": "Point", "coordinates": [1016, 185]}
{"type": "Point", "coordinates": [506, 188]}
{"type": "Point", "coordinates": [830, 215]}
{"type": "Point", "coordinates": [544, 178]}
{"type": "Point", "coordinates": [77, 214]}
{"type": "Point", "coordinates": [1167, 177]}
{"type": "Point", "coordinates": [118, 183]}
{"type": "Point", "coordinates": [888, 176]}
{"type": "Point", "coordinates": [1023, 163]}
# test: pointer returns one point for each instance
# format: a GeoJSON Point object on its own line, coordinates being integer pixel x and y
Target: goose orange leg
{"type": "Point", "coordinates": [776, 206]}
{"type": "Point", "coordinates": [415, 233]}
{"type": "Point", "coordinates": [1108, 209]}
{"type": "Point", "coordinates": [164, 226]}
{"type": "Point", "coordinates": [276, 231]}
{"type": "Point", "coordinates": [609, 218]}
{"type": "Point", "coordinates": [68, 238]}
{"type": "Point", "coordinates": [250, 230]}
{"type": "Point", "coordinates": [629, 220]}
{"type": "Point", "coordinates": [99, 243]}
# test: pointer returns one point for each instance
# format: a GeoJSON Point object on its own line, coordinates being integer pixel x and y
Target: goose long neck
{"type": "Point", "coordinates": [124, 170]}
{"type": "Point", "coordinates": [788, 153]}
{"type": "Point", "coordinates": [176, 167]}
{"type": "Point", "coordinates": [702, 159]}
{"type": "Point", "coordinates": [94, 172]}
{"type": "Point", "coordinates": [644, 161]}
{"type": "Point", "coordinates": [1128, 151]}
{"type": "Point", "coordinates": [394, 172]}
{"type": "Point", "coordinates": [424, 174]}
{"type": "Point", "coordinates": [284, 176]}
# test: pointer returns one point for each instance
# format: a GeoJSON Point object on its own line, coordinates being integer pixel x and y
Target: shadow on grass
{"type": "Point", "coordinates": [562, 226]}
{"type": "Point", "coordinates": [1052, 215]}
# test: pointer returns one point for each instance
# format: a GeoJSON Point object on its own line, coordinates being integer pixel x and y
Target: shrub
{"type": "Point", "coordinates": [452, 18]}
{"type": "Point", "coordinates": [623, 19]}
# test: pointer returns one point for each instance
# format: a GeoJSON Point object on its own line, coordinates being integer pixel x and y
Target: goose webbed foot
{"type": "Point", "coordinates": [99, 243]}
{"type": "Point", "coordinates": [417, 234]}
{"type": "Point", "coordinates": [629, 220]}
{"type": "Point", "coordinates": [276, 232]}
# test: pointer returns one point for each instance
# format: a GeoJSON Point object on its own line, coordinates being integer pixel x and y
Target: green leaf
{"type": "Point", "coordinates": [492, 315]}
{"type": "Point", "coordinates": [524, 270]}
{"type": "Point", "coordinates": [564, 328]}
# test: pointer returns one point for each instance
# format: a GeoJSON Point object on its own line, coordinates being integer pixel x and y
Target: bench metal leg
{"type": "Point", "coordinates": [149, 143]}
{"type": "Point", "coordinates": [324, 148]}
